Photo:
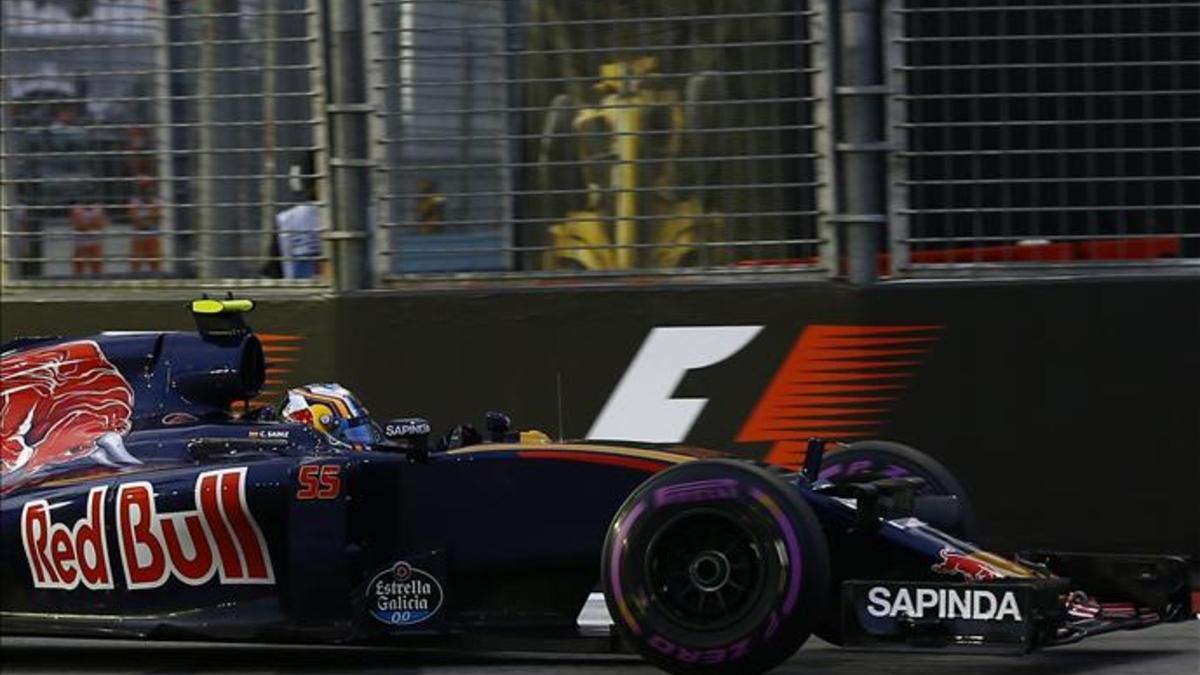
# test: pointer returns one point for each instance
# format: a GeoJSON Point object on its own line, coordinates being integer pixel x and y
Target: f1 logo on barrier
{"type": "Point", "coordinates": [837, 382]}
{"type": "Point", "coordinates": [641, 406]}
{"type": "Point", "coordinates": [220, 537]}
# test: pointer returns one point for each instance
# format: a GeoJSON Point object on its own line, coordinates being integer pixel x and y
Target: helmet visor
{"type": "Point", "coordinates": [359, 431]}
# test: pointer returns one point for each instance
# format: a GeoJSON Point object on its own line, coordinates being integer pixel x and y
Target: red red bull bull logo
{"type": "Point", "coordinates": [59, 403]}
{"type": "Point", "coordinates": [970, 567]}
{"type": "Point", "coordinates": [220, 537]}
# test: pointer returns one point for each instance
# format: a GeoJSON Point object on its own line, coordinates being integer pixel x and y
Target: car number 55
{"type": "Point", "coordinates": [319, 481]}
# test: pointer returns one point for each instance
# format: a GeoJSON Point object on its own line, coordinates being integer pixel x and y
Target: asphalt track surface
{"type": "Point", "coordinates": [1163, 650]}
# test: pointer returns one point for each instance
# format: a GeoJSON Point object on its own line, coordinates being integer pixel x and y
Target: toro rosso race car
{"type": "Point", "coordinates": [142, 497]}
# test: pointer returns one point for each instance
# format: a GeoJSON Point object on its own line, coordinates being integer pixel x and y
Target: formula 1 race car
{"type": "Point", "coordinates": [141, 497]}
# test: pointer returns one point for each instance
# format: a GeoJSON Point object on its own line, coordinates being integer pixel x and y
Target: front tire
{"type": "Point", "coordinates": [868, 460]}
{"type": "Point", "coordinates": [715, 566]}
{"type": "Point", "coordinates": [865, 461]}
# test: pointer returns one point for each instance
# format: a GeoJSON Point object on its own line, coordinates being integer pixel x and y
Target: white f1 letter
{"type": "Point", "coordinates": [641, 407]}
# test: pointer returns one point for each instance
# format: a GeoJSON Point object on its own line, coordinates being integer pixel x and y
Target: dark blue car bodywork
{"type": "Point", "coordinates": [295, 538]}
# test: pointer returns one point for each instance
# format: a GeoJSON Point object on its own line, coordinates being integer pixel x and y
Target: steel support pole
{"type": "Point", "coordinates": [861, 107]}
{"type": "Point", "coordinates": [821, 27]}
{"type": "Point", "coordinates": [392, 40]}
{"type": "Point", "coordinates": [219, 165]}
{"type": "Point", "coordinates": [205, 167]}
{"type": "Point", "coordinates": [268, 194]}
{"type": "Point", "coordinates": [899, 247]}
{"type": "Point", "coordinates": [349, 161]}
{"type": "Point", "coordinates": [165, 159]}
{"type": "Point", "coordinates": [8, 216]}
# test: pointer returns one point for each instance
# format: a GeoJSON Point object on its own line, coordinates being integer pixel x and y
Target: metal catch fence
{"type": "Point", "coordinates": [1030, 133]}
{"type": "Point", "coordinates": [561, 137]}
{"type": "Point", "coordinates": [151, 141]}
{"type": "Point", "coordinates": [297, 142]}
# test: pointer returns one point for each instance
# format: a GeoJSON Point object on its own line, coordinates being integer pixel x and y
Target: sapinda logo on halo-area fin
{"type": "Point", "coordinates": [219, 538]}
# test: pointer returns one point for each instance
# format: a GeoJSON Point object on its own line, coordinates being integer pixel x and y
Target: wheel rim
{"type": "Point", "coordinates": [705, 569]}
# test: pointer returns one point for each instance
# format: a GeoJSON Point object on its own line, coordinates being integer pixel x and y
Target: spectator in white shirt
{"type": "Point", "coordinates": [299, 230]}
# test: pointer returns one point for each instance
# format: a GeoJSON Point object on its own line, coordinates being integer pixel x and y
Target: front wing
{"type": "Point", "coordinates": [1088, 595]}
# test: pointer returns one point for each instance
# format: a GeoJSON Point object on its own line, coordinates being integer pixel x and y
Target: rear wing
{"type": "Point", "coordinates": [220, 320]}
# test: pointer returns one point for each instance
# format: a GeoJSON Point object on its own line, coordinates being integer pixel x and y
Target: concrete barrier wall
{"type": "Point", "coordinates": [1071, 411]}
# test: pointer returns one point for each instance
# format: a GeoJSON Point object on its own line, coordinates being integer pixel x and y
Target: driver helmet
{"type": "Point", "coordinates": [332, 410]}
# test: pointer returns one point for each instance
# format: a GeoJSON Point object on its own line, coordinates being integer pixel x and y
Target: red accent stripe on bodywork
{"type": "Point", "coordinates": [634, 463]}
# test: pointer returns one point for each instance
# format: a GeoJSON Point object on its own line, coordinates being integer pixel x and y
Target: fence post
{"type": "Point", "coordinates": [162, 140]}
{"type": "Point", "coordinates": [205, 246]}
{"type": "Point", "coordinates": [897, 177]}
{"type": "Point", "coordinates": [821, 26]}
{"type": "Point", "coordinates": [862, 95]}
{"type": "Point", "coordinates": [220, 161]}
{"type": "Point", "coordinates": [6, 163]}
{"type": "Point", "coordinates": [7, 214]}
{"type": "Point", "coordinates": [349, 155]}
{"type": "Point", "coordinates": [268, 196]}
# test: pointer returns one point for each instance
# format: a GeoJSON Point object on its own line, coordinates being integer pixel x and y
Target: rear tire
{"type": "Point", "coordinates": [715, 566]}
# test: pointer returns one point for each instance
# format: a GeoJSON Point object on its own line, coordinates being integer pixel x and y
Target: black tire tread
{"type": "Point", "coordinates": [816, 566]}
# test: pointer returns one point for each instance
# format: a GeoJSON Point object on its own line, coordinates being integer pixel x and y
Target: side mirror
{"type": "Point", "coordinates": [497, 424]}
{"type": "Point", "coordinates": [410, 433]}
{"type": "Point", "coordinates": [812, 460]}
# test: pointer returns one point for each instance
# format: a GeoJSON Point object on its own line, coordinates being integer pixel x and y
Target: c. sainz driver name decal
{"type": "Point", "coordinates": [219, 538]}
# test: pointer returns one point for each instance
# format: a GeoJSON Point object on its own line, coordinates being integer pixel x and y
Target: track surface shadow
{"type": "Point", "coordinates": [1165, 650]}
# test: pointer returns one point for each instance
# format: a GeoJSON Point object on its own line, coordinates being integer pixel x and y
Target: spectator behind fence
{"type": "Point", "coordinates": [26, 224]}
{"type": "Point", "coordinates": [88, 221]}
{"type": "Point", "coordinates": [140, 155]}
{"type": "Point", "coordinates": [145, 213]}
{"type": "Point", "coordinates": [300, 227]}
{"type": "Point", "coordinates": [431, 206]}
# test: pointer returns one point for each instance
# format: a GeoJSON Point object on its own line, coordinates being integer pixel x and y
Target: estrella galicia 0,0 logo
{"type": "Point", "coordinates": [403, 595]}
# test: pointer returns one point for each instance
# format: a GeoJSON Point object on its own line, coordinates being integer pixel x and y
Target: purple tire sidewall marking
{"type": "Point", "coordinates": [696, 491]}
{"type": "Point", "coordinates": [829, 472]}
{"type": "Point", "coordinates": [891, 470]}
{"type": "Point", "coordinates": [793, 547]}
{"type": "Point", "coordinates": [615, 561]}
{"type": "Point", "coordinates": [772, 626]}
